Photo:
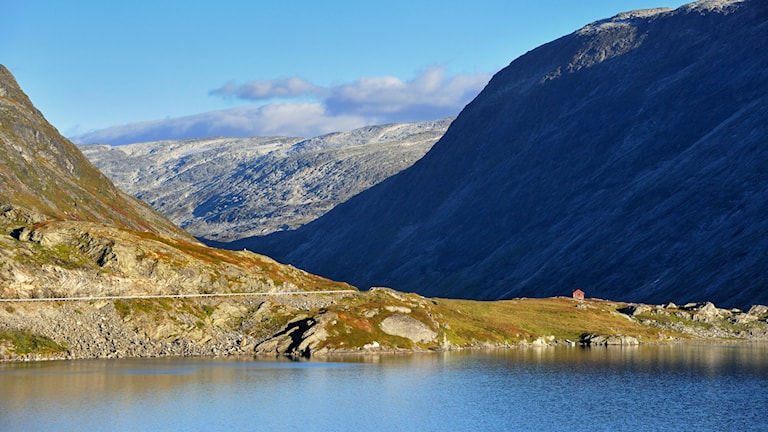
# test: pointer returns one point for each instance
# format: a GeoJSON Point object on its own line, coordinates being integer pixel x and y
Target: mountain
{"type": "Point", "coordinates": [139, 287]}
{"type": "Point", "coordinates": [44, 173]}
{"type": "Point", "coordinates": [83, 275]}
{"type": "Point", "coordinates": [228, 188]}
{"type": "Point", "coordinates": [67, 231]}
{"type": "Point", "coordinates": [627, 159]}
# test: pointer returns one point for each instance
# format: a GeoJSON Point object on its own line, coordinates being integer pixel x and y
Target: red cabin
{"type": "Point", "coordinates": [578, 294]}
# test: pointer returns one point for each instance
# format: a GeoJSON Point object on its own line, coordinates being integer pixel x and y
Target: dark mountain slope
{"type": "Point", "coordinates": [628, 159]}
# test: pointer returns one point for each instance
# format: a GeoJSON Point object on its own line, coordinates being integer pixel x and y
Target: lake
{"type": "Point", "coordinates": [648, 388]}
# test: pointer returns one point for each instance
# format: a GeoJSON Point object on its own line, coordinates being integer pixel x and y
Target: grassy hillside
{"type": "Point", "coordinates": [44, 174]}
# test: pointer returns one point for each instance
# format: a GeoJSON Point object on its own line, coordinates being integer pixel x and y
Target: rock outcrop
{"type": "Point", "coordinates": [300, 338]}
{"type": "Point", "coordinates": [702, 320]}
{"type": "Point", "coordinates": [408, 327]}
{"type": "Point", "coordinates": [600, 340]}
{"type": "Point", "coordinates": [151, 328]}
{"type": "Point", "coordinates": [82, 259]}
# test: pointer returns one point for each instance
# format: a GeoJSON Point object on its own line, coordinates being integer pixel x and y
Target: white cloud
{"type": "Point", "coordinates": [371, 100]}
{"type": "Point", "coordinates": [431, 91]}
{"type": "Point", "coordinates": [305, 119]}
{"type": "Point", "coordinates": [265, 90]}
{"type": "Point", "coordinates": [432, 88]}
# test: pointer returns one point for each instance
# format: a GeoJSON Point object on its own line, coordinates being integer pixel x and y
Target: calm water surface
{"type": "Point", "coordinates": [687, 388]}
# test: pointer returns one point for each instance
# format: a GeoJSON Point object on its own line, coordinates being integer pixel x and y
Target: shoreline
{"type": "Point", "coordinates": [332, 354]}
{"type": "Point", "coordinates": [376, 322]}
{"type": "Point", "coordinates": [388, 353]}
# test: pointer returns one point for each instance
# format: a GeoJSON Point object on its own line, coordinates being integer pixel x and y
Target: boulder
{"type": "Point", "coordinates": [400, 309]}
{"type": "Point", "coordinates": [299, 338]}
{"type": "Point", "coordinates": [543, 341]}
{"type": "Point", "coordinates": [634, 309]}
{"type": "Point", "coordinates": [227, 314]}
{"type": "Point", "coordinates": [707, 312]}
{"type": "Point", "coordinates": [605, 340]}
{"type": "Point", "coordinates": [408, 327]}
{"type": "Point", "coordinates": [758, 311]}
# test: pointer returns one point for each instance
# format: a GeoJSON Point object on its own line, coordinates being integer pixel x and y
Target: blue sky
{"type": "Point", "coordinates": [126, 71]}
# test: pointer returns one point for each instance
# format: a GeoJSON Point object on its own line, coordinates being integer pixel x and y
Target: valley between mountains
{"type": "Point", "coordinates": [627, 159]}
{"type": "Point", "coordinates": [226, 189]}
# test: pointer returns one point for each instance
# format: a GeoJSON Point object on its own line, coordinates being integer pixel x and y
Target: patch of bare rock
{"type": "Point", "coordinates": [409, 328]}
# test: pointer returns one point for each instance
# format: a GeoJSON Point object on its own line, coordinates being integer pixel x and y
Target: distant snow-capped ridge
{"type": "Point", "coordinates": [228, 188]}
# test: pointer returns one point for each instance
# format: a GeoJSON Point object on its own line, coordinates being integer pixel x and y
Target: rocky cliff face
{"type": "Point", "coordinates": [228, 188]}
{"type": "Point", "coordinates": [627, 159]}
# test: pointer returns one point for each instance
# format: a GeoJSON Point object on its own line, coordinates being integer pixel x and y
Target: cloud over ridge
{"type": "Point", "coordinates": [265, 90]}
{"type": "Point", "coordinates": [296, 107]}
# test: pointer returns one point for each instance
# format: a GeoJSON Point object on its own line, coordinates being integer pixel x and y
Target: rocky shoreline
{"type": "Point", "coordinates": [322, 326]}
